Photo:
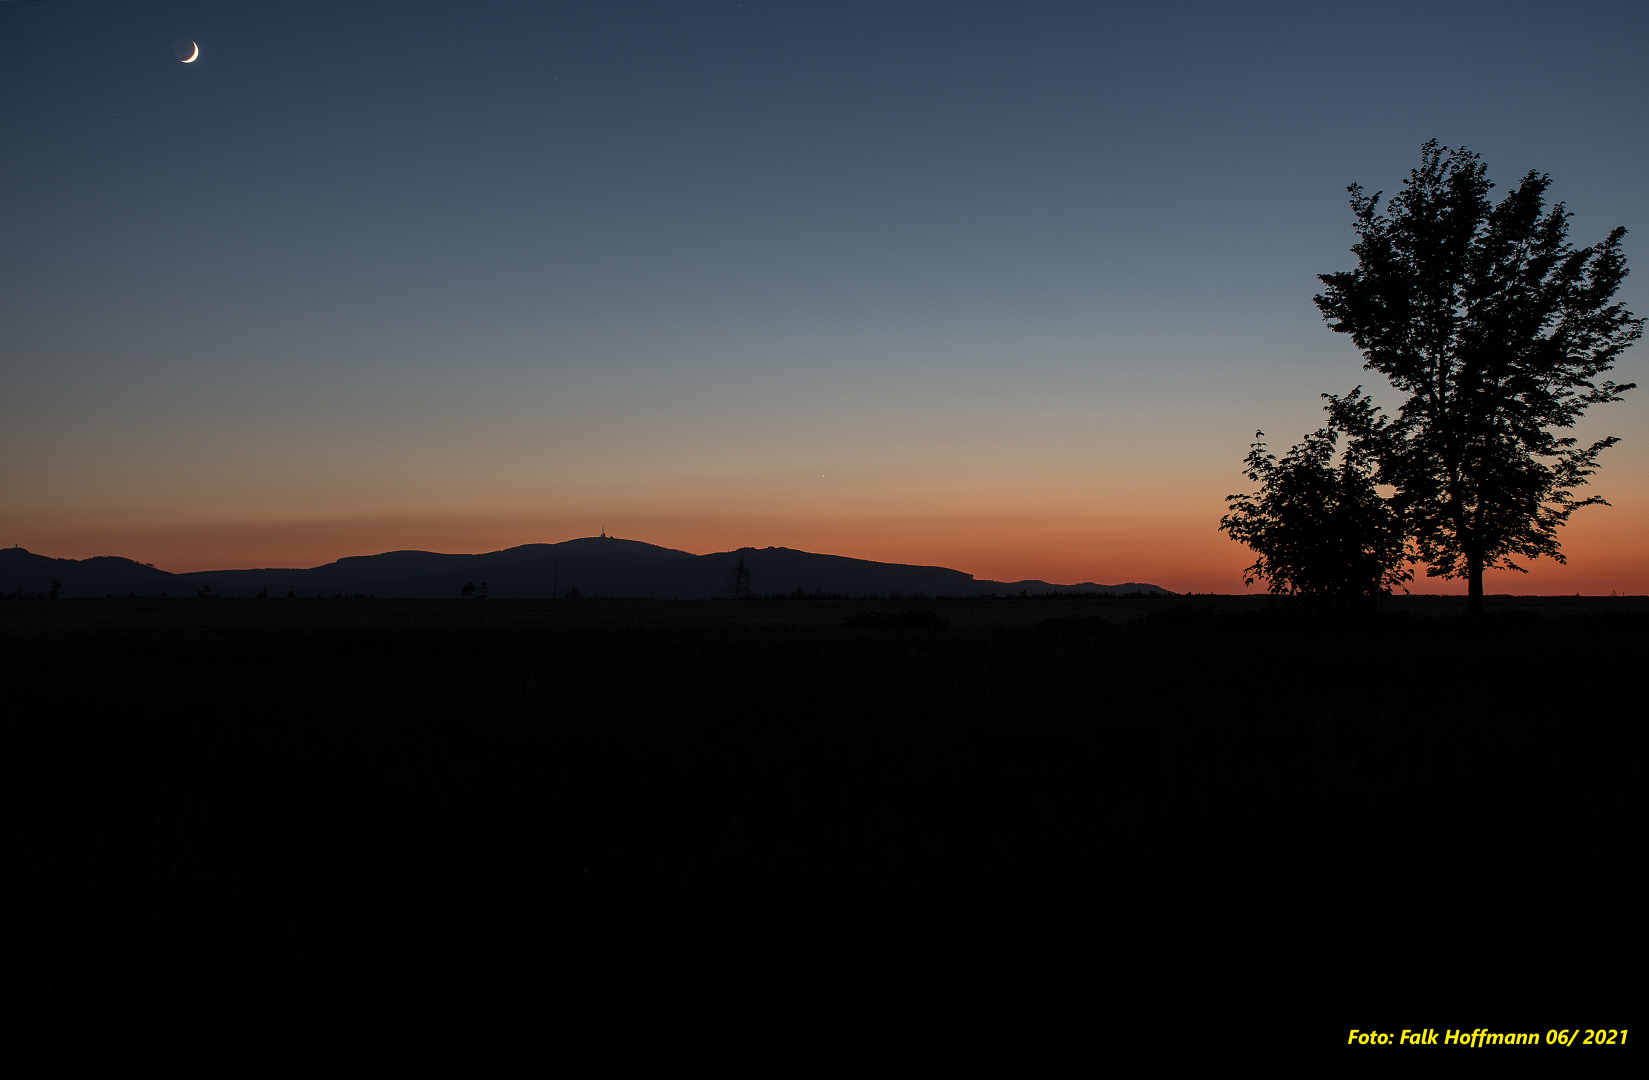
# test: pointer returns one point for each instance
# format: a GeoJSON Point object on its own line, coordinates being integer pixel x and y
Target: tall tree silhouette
{"type": "Point", "coordinates": [1318, 531]}
{"type": "Point", "coordinates": [738, 581]}
{"type": "Point", "coordinates": [1497, 329]}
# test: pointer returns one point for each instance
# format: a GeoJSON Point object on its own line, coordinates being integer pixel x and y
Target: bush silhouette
{"type": "Point", "coordinates": [904, 620]}
{"type": "Point", "coordinates": [1318, 531]}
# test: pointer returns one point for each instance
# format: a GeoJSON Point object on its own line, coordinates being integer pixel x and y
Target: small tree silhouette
{"type": "Point", "coordinates": [1319, 532]}
{"type": "Point", "coordinates": [477, 591]}
{"type": "Point", "coordinates": [738, 581]}
{"type": "Point", "coordinates": [57, 589]}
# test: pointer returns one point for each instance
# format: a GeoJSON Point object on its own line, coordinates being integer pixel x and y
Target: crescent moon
{"type": "Point", "coordinates": [192, 58]}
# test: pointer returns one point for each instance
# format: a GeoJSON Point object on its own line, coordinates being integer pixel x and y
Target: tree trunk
{"type": "Point", "coordinates": [1474, 585]}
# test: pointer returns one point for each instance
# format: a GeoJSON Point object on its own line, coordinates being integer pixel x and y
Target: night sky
{"type": "Point", "coordinates": [1001, 287]}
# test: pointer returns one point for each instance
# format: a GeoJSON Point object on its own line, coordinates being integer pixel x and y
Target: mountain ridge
{"type": "Point", "coordinates": [593, 565]}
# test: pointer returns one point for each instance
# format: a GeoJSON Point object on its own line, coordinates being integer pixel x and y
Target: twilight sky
{"type": "Point", "coordinates": [1003, 287]}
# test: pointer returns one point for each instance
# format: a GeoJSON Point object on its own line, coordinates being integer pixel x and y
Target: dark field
{"type": "Point", "coordinates": [1188, 805]}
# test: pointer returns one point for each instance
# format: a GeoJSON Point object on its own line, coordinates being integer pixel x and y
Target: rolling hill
{"type": "Point", "coordinates": [594, 565]}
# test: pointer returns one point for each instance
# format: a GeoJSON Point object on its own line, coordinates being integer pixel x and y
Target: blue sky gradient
{"type": "Point", "coordinates": [1007, 287]}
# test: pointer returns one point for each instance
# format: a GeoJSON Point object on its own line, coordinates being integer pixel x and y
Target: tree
{"type": "Point", "coordinates": [1318, 532]}
{"type": "Point", "coordinates": [738, 581]}
{"type": "Point", "coordinates": [1497, 329]}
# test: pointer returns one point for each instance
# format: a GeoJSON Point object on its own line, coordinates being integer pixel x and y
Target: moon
{"type": "Point", "coordinates": [185, 50]}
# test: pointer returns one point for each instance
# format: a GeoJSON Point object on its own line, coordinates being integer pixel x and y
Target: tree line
{"type": "Point", "coordinates": [1497, 332]}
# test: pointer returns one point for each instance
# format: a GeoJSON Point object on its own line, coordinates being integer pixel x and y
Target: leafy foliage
{"type": "Point", "coordinates": [1318, 531]}
{"type": "Point", "coordinates": [1498, 330]}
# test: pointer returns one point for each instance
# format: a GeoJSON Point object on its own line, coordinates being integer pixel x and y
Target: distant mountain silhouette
{"type": "Point", "coordinates": [594, 565]}
{"type": "Point", "coordinates": [23, 571]}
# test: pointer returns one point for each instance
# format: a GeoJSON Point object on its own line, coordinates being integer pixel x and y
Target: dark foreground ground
{"type": "Point", "coordinates": [1185, 808]}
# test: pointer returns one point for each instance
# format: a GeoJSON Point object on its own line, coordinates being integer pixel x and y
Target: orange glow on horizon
{"type": "Point", "coordinates": [1180, 550]}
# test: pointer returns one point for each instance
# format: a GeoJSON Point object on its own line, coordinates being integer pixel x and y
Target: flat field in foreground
{"type": "Point", "coordinates": [1390, 813]}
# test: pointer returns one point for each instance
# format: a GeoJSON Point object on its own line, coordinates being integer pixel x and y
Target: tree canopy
{"type": "Point", "coordinates": [1319, 532]}
{"type": "Point", "coordinates": [1498, 330]}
